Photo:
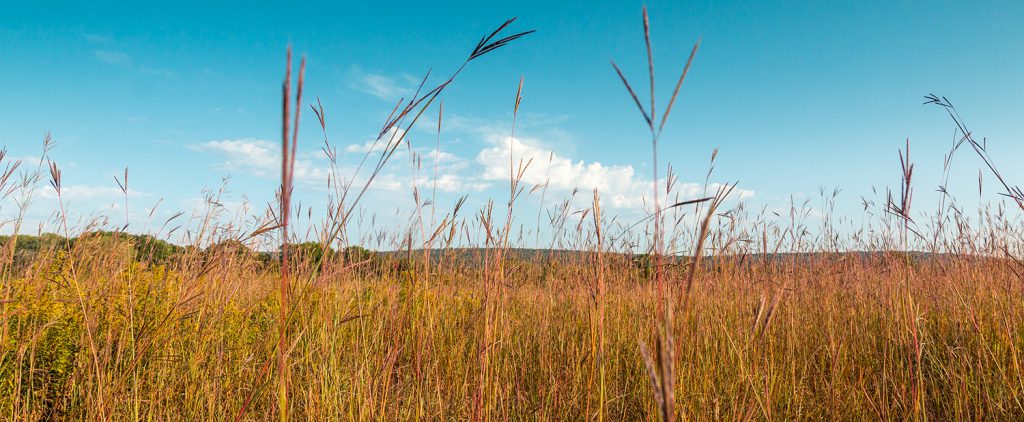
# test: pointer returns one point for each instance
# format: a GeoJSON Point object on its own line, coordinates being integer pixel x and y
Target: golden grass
{"type": "Point", "coordinates": [764, 318]}
{"type": "Point", "coordinates": [800, 338]}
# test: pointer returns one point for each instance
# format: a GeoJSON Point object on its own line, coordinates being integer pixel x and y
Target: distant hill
{"type": "Point", "coordinates": [152, 250]}
{"type": "Point", "coordinates": [475, 255]}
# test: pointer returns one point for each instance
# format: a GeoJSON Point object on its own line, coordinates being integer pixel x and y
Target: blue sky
{"type": "Point", "coordinates": [795, 95]}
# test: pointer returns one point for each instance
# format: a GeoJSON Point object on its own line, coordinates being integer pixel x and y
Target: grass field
{"type": "Point", "coordinates": [905, 316]}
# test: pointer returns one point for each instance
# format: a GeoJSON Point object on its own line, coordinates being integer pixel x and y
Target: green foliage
{"type": "Point", "coordinates": [358, 254]}
{"type": "Point", "coordinates": [313, 252]}
{"type": "Point", "coordinates": [144, 248]}
{"type": "Point", "coordinates": [41, 352]}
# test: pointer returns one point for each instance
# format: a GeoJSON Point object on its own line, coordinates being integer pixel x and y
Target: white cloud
{"type": "Point", "coordinates": [738, 192]}
{"type": "Point", "coordinates": [368, 146]}
{"type": "Point", "coordinates": [441, 157]}
{"type": "Point", "coordinates": [387, 182]}
{"type": "Point", "coordinates": [253, 156]}
{"type": "Point", "coordinates": [124, 60]}
{"type": "Point", "coordinates": [261, 158]}
{"type": "Point", "coordinates": [448, 165]}
{"type": "Point", "coordinates": [383, 86]}
{"type": "Point", "coordinates": [619, 185]}
{"type": "Point", "coordinates": [394, 134]}
{"type": "Point", "coordinates": [451, 182]}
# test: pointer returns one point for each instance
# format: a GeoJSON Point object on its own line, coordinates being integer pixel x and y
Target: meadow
{"type": "Point", "coordinates": [703, 310]}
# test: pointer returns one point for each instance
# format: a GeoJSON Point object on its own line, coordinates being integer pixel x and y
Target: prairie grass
{"type": "Point", "coordinates": [761, 316]}
{"type": "Point", "coordinates": [798, 337]}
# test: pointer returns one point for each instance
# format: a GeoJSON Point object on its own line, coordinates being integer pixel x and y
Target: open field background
{"type": "Point", "coordinates": [704, 310]}
{"type": "Point", "coordinates": [98, 332]}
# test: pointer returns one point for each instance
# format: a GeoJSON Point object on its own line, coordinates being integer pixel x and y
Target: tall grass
{"type": "Point", "coordinates": [704, 309]}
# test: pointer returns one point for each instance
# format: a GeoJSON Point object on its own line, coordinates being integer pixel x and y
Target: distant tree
{"type": "Point", "coordinates": [313, 252]}
{"type": "Point", "coordinates": [157, 251]}
{"type": "Point", "coordinates": [358, 254]}
{"type": "Point", "coordinates": [230, 249]}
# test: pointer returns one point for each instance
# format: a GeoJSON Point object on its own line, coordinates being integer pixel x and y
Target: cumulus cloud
{"type": "Point", "coordinates": [452, 182]}
{"type": "Point", "coordinates": [441, 157]}
{"type": "Point", "coordinates": [449, 167]}
{"type": "Point", "coordinates": [619, 185]}
{"type": "Point", "coordinates": [261, 158]}
{"type": "Point", "coordinates": [379, 145]}
{"type": "Point", "coordinates": [448, 173]}
{"type": "Point", "coordinates": [368, 146]}
{"type": "Point", "coordinates": [253, 156]}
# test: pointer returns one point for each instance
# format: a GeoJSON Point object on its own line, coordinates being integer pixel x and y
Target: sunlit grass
{"type": "Point", "coordinates": [761, 317]}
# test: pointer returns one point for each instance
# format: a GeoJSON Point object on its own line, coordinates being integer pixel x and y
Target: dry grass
{"type": "Point", "coordinates": [763, 318]}
{"type": "Point", "coordinates": [796, 337]}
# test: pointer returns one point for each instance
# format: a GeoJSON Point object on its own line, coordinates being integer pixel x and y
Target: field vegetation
{"type": "Point", "coordinates": [703, 310]}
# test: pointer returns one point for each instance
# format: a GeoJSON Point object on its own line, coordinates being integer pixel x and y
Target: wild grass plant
{"type": "Point", "coordinates": [703, 310]}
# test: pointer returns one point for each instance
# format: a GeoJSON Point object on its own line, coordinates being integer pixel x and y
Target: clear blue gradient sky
{"type": "Point", "coordinates": [796, 95]}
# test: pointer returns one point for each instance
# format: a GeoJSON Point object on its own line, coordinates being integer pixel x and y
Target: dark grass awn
{"type": "Point", "coordinates": [289, 144]}
{"type": "Point", "coordinates": [412, 111]}
{"type": "Point", "coordinates": [981, 148]}
{"type": "Point", "coordinates": [288, 148]}
{"type": "Point", "coordinates": [486, 45]}
{"type": "Point", "coordinates": [662, 379]}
